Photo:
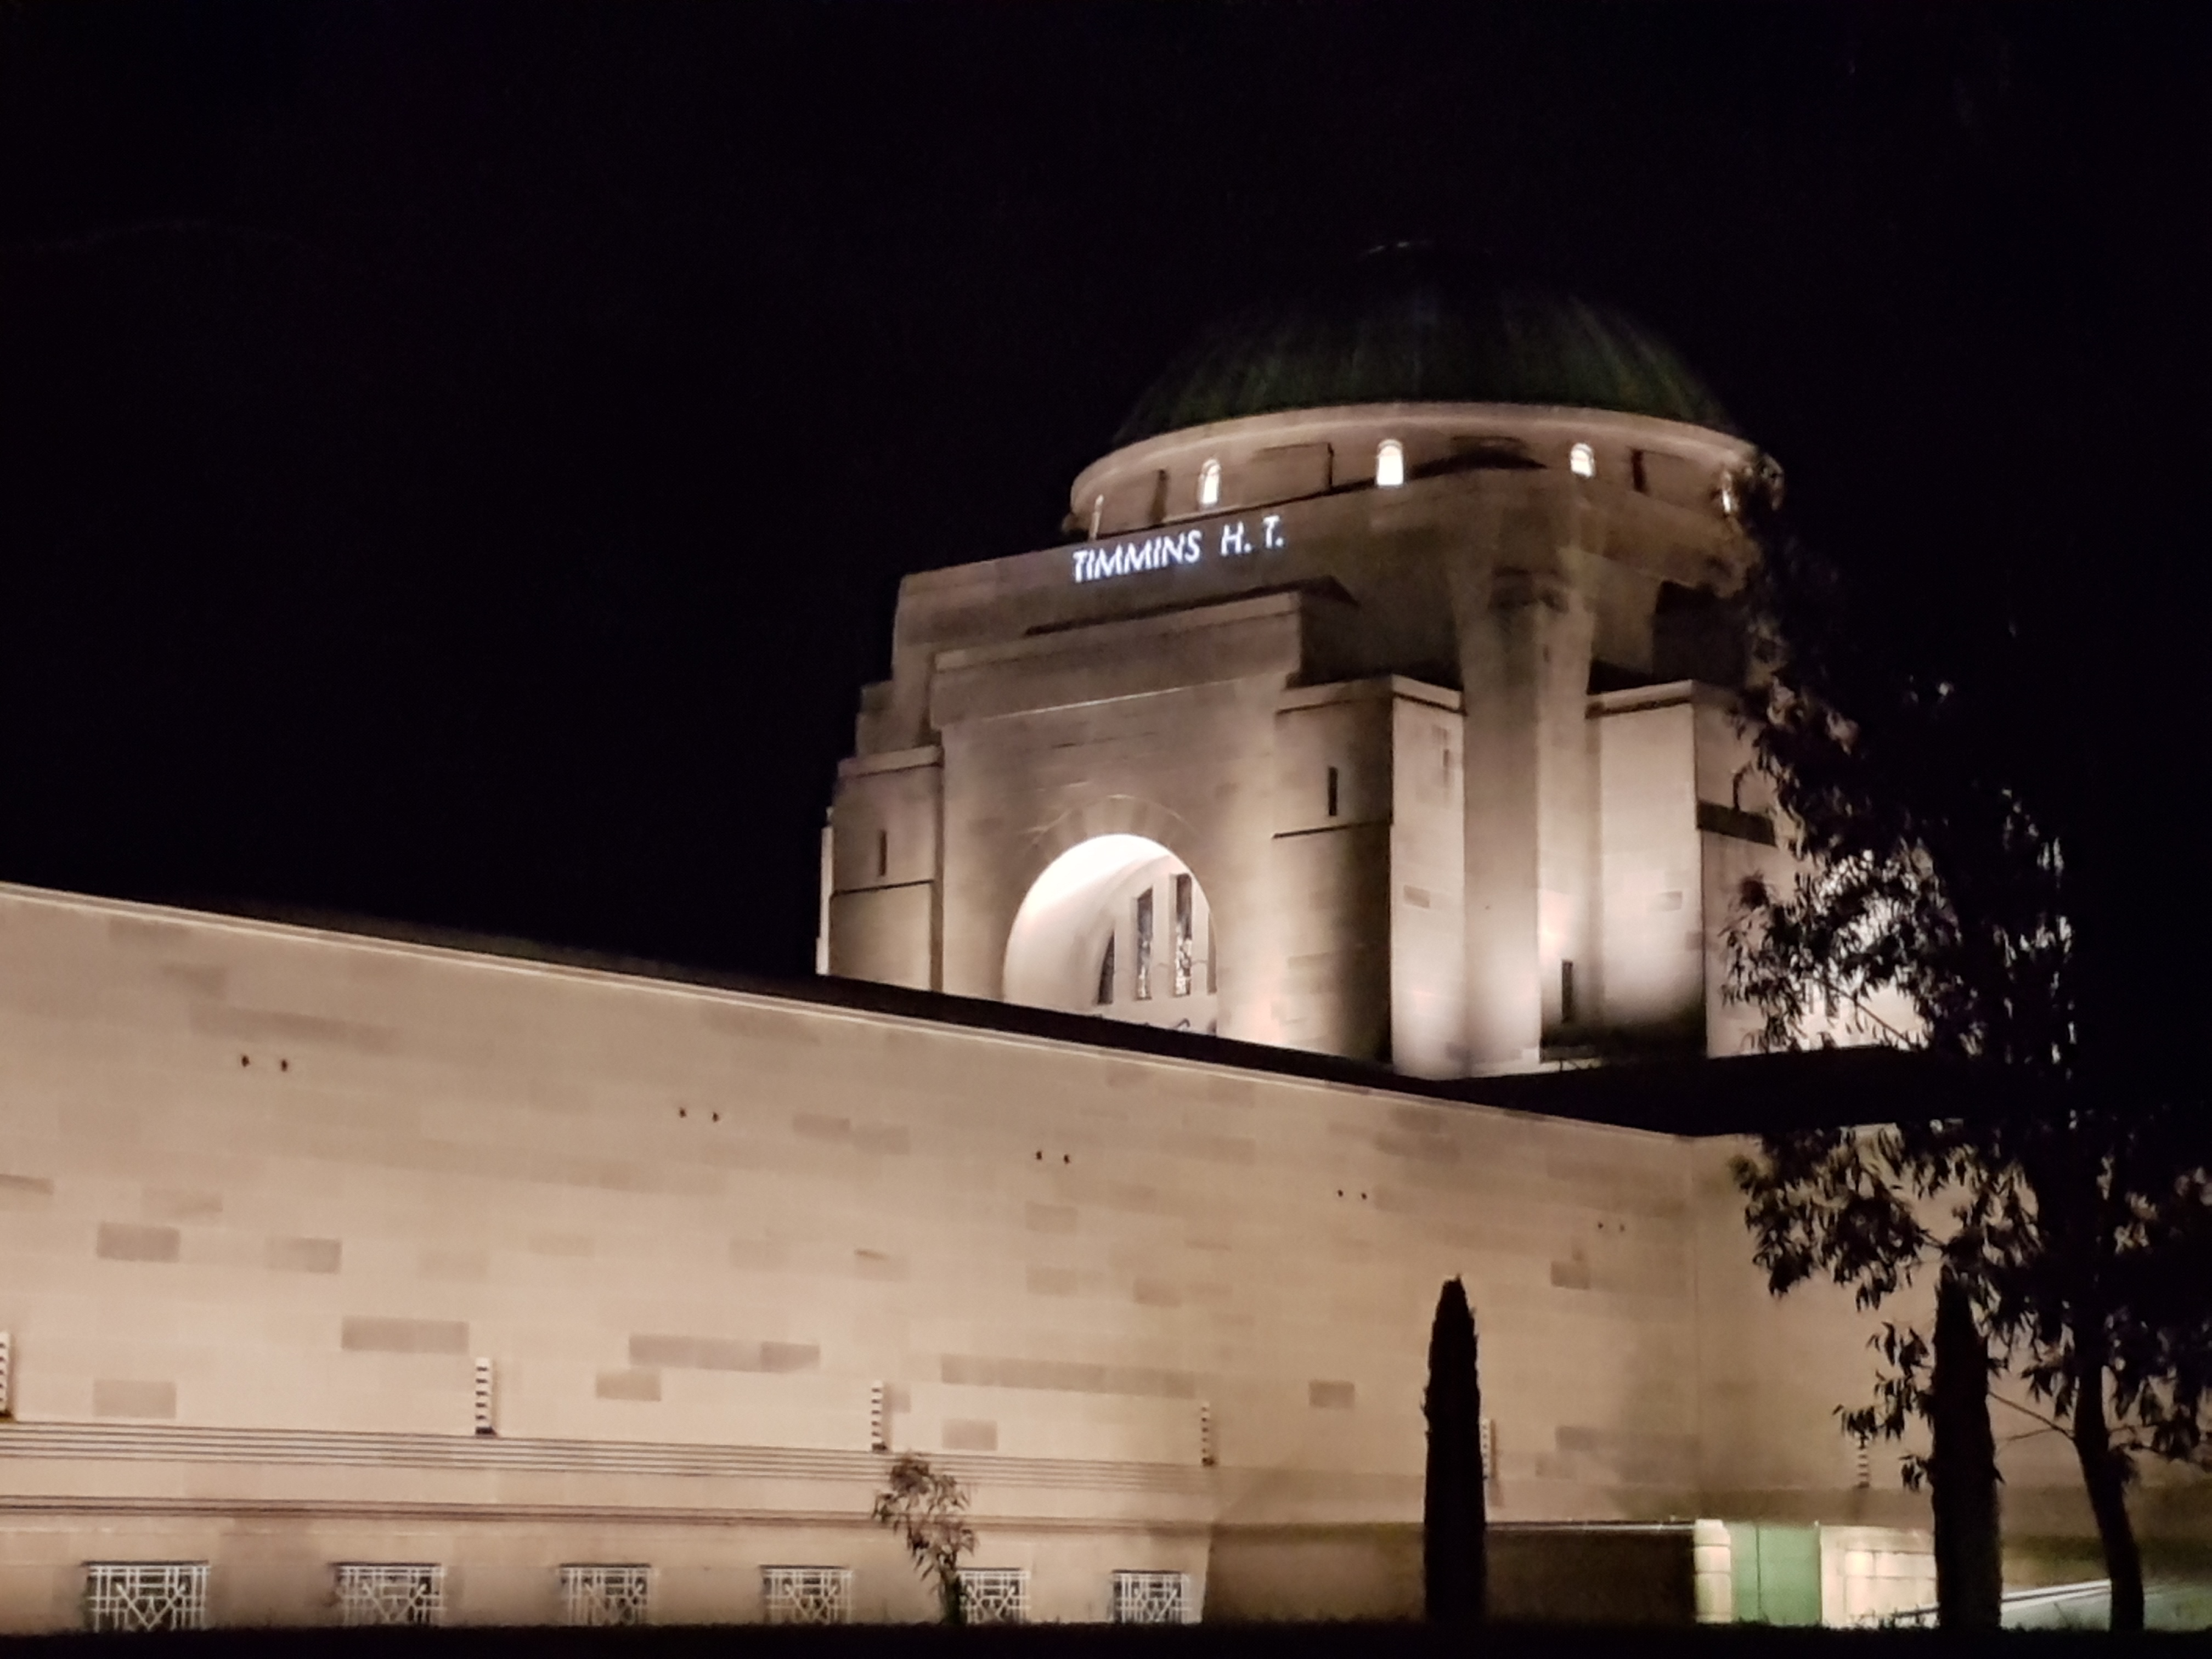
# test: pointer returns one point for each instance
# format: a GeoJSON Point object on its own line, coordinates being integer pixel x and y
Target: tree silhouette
{"type": "Point", "coordinates": [1962, 1467]}
{"type": "Point", "coordinates": [1454, 1555]}
{"type": "Point", "coordinates": [1937, 868]}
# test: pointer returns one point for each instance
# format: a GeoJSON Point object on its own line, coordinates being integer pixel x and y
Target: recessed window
{"type": "Point", "coordinates": [1209, 484]}
{"type": "Point", "coordinates": [1185, 951]}
{"type": "Point", "coordinates": [1389, 464]}
{"type": "Point", "coordinates": [1142, 988]}
{"type": "Point", "coordinates": [1582, 461]}
{"type": "Point", "coordinates": [1331, 791]}
{"type": "Point", "coordinates": [1106, 974]}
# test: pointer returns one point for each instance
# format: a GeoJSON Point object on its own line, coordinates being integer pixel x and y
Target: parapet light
{"type": "Point", "coordinates": [1389, 464]}
{"type": "Point", "coordinates": [1209, 484]}
{"type": "Point", "coordinates": [1582, 461]}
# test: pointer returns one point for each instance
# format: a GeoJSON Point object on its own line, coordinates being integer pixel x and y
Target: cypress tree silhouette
{"type": "Point", "coordinates": [1962, 1468]}
{"type": "Point", "coordinates": [1454, 1562]}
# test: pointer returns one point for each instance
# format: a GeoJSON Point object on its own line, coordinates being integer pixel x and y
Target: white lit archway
{"type": "Point", "coordinates": [1117, 926]}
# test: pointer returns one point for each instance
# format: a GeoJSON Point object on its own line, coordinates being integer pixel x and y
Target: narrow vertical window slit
{"type": "Point", "coordinates": [1184, 956]}
{"type": "Point", "coordinates": [1141, 986]}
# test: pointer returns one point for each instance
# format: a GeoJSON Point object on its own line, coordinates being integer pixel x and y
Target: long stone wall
{"type": "Point", "coordinates": [268, 1195]}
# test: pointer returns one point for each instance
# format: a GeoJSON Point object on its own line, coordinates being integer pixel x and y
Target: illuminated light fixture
{"type": "Point", "coordinates": [1097, 512]}
{"type": "Point", "coordinates": [1582, 461]}
{"type": "Point", "coordinates": [1389, 464]}
{"type": "Point", "coordinates": [1209, 484]}
{"type": "Point", "coordinates": [1728, 496]}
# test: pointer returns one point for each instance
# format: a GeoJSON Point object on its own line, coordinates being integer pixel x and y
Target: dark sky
{"type": "Point", "coordinates": [456, 461]}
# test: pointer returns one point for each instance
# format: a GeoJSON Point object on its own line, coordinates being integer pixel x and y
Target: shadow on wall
{"type": "Point", "coordinates": [1625, 1574]}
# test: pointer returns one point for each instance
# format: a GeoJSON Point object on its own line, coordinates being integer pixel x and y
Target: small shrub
{"type": "Point", "coordinates": [928, 1510]}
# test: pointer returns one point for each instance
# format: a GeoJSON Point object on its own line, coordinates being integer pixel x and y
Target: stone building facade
{"type": "Point", "coordinates": [1383, 708]}
{"type": "Point", "coordinates": [349, 1278]}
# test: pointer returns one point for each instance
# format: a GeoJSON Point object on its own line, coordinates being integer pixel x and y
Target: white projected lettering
{"type": "Point", "coordinates": [1233, 540]}
{"type": "Point", "coordinates": [1153, 553]}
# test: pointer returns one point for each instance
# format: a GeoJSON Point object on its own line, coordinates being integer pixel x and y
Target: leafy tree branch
{"type": "Point", "coordinates": [1932, 873]}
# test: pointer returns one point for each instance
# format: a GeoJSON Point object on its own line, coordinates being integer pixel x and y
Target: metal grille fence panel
{"type": "Point", "coordinates": [994, 1595]}
{"type": "Point", "coordinates": [807, 1596]}
{"type": "Point", "coordinates": [145, 1594]}
{"type": "Point", "coordinates": [1152, 1598]}
{"type": "Point", "coordinates": [605, 1595]}
{"type": "Point", "coordinates": [390, 1592]}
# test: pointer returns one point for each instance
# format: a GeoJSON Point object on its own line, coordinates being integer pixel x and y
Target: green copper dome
{"type": "Point", "coordinates": [1403, 325]}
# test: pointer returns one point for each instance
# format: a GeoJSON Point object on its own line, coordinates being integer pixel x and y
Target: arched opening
{"type": "Point", "coordinates": [1117, 926]}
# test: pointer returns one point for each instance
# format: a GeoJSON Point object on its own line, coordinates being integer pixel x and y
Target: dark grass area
{"type": "Point", "coordinates": [1280, 1641]}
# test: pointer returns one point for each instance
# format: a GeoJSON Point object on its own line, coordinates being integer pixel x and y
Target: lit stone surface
{"type": "Point", "coordinates": [710, 1223]}
{"type": "Point", "coordinates": [1380, 727]}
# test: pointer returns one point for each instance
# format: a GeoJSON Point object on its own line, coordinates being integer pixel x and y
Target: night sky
{"type": "Point", "coordinates": [456, 462]}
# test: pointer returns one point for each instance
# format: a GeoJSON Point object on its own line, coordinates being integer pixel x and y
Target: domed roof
{"type": "Point", "coordinates": [1404, 324]}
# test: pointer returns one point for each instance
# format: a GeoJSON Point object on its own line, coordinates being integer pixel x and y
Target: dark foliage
{"type": "Point", "coordinates": [1454, 1558]}
{"type": "Point", "coordinates": [1943, 900]}
{"type": "Point", "coordinates": [928, 1509]}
